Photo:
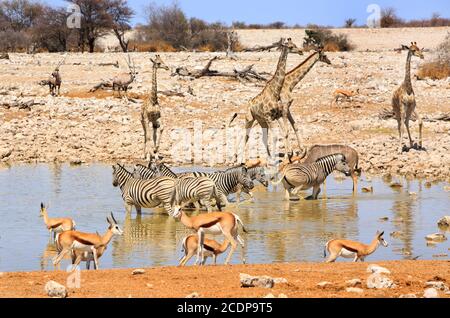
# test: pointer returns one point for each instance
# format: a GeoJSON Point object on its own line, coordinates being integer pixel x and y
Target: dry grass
{"type": "Point", "coordinates": [435, 70]}
{"type": "Point", "coordinates": [154, 46]}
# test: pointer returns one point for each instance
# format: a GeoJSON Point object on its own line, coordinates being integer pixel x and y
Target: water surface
{"type": "Point", "coordinates": [280, 231]}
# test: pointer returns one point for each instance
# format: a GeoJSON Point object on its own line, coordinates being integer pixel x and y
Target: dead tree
{"type": "Point", "coordinates": [259, 48]}
{"type": "Point", "coordinates": [247, 73]}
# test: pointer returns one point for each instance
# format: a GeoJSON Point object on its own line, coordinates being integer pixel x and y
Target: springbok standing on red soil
{"type": "Point", "coordinates": [352, 249]}
{"type": "Point", "coordinates": [214, 223]}
{"type": "Point", "coordinates": [78, 242]}
{"type": "Point", "coordinates": [56, 225]}
{"type": "Point", "coordinates": [212, 247]}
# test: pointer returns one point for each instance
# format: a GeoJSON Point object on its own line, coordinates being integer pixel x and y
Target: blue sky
{"type": "Point", "coordinates": [325, 12]}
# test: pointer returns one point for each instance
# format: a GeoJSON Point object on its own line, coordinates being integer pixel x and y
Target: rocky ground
{"type": "Point", "coordinates": [388, 280]}
{"type": "Point", "coordinates": [88, 127]}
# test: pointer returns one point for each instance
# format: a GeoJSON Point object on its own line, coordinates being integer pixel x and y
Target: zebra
{"type": "Point", "coordinates": [142, 172]}
{"type": "Point", "coordinates": [351, 155]}
{"type": "Point", "coordinates": [226, 181]}
{"type": "Point", "coordinates": [194, 190]}
{"type": "Point", "coordinates": [255, 173]}
{"type": "Point", "coordinates": [143, 193]}
{"type": "Point", "coordinates": [162, 170]}
{"type": "Point", "coordinates": [304, 176]}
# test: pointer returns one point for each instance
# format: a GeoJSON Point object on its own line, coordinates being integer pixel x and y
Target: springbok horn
{"type": "Point", "coordinates": [113, 218]}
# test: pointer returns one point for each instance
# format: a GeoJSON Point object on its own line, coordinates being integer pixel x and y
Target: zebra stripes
{"type": "Point", "coordinates": [304, 176]}
{"type": "Point", "coordinates": [227, 181]}
{"type": "Point", "coordinates": [255, 173]}
{"type": "Point", "coordinates": [194, 190]}
{"type": "Point", "coordinates": [143, 193]}
{"type": "Point", "coordinates": [142, 172]}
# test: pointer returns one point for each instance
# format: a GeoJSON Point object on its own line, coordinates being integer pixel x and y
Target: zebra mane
{"type": "Point", "coordinates": [333, 156]}
{"type": "Point", "coordinates": [124, 169]}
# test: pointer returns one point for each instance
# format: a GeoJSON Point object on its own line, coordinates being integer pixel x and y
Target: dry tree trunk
{"type": "Point", "coordinates": [259, 48]}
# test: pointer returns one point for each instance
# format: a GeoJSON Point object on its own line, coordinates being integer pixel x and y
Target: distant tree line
{"type": "Point", "coordinates": [33, 26]}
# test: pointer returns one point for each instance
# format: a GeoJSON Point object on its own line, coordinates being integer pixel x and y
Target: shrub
{"type": "Point", "coordinates": [439, 68]}
{"type": "Point", "coordinates": [326, 38]}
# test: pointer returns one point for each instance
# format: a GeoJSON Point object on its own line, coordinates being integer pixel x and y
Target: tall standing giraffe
{"type": "Point", "coordinates": [266, 107]}
{"type": "Point", "coordinates": [290, 82]}
{"type": "Point", "coordinates": [404, 101]}
{"type": "Point", "coordinates": [151, 113]}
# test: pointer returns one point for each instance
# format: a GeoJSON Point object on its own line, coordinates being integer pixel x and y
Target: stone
{"type": "Point", "coordinates": [436, 237]}
{"type": "Point", "coordinates": [193, 295]}
{"type": "Point", "coordinates": [256, 281]}
{"type": "Point", "coordinates": [437, 285]}
{"type": "Point", "coordinates": [431, 293]}
{"type": "Point", "coordinates": [280, 280]}
{"type": "Point", "coordinates": [269, 296]}
{"type": "Point", "coordinates": [55, 290]}
{"type": "Point", "coordinates": [282, 295]}
{"type": "Point", "coordinates": [354, 290]}
{"type": "Point", "coordinates": [5, 153]}
{"type": "Point", "coordinates": [138, 271]}
{"type": "Point", "coordinates": [408, 296]}
{"type": "Point", "coordinates": [353, 282]}
{"type": "Point", "coordinates": [373, 268]}
{"type": "Point", "coordinates": [324, 284]}
{"type": "Point", "coordinates": [378, 281]}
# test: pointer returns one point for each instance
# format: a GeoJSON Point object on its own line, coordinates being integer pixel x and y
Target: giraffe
{"type": "Point", "coordinates": [266, 107]}
{"type": "Point", "coordinates": [151, 113]}
{"type": "Point", "coordinates": [404, 101]}
{"type": "Point", "coordinates": [290, 82]}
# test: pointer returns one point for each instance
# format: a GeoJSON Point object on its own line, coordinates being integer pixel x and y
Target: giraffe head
{"type": "Point", "coordinates": [292, 48]}
{"type": "Point", "coordinates": [322, 57]}
{"type": "Point", "coordinates": [414, 49]}
{"type": "Point", "coordinates": [158, 63]}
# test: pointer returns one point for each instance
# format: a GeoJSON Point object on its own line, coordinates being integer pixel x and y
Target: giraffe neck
{"type": "Point", "coordinates": [407, 81]}
{"type": "Point", "coordinates": [154, 93]}
{"type": "Point", "coordinates": [277, 81]}
{"type": "Point", "coordinates": [298, 73]}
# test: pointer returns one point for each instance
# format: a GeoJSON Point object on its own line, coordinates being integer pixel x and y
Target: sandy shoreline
{"type": "Point", "coordinates": [410, 277]}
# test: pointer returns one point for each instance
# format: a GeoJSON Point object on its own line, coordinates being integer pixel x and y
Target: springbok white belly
{"type": "Point", "coordinates": [346, 253]}
{"type": "Point", "coordinates": [216, 229]}
{"type": "Point", "coordinates": [81, 247]}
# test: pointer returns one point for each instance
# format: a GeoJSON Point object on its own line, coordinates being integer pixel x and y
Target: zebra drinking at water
{"type": "Point", "coordinates": [195, 190]}
{"type": "Point", "coordinates": [143, 193]}
{"type": "Point", "coordinates": [299, 176]}
{"type": "Point", "coordinates": [255, 173]}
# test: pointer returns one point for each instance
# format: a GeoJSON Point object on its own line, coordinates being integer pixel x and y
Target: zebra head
{"type": "Point", "coordinates": [115, 182]}
{"type": "Point", "coordinates": [136, 172]}
{"type": "Point", "coordinates": [244, 179]}
{"type": "Point", "coordinates": [260, 176]}
{"type": "Point", "coordinates": [342, 165]}
{"type": "Point", "coordinates": [155, 167]}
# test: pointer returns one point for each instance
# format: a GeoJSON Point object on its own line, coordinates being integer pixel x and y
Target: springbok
{"type": "Point", "coordinates": [78, 242]}
{"type": "Point", "coordinates": [56, 225]}
{"type": "Point", "coordinates": [88, 257]}
{"type": "Point", "coordinates": [214, 223]}
{"type": "Point", "coordinates": [343, 94]}
{"type": "Point", "coordinates": [352, 249]}
{"type": "Point", "coordinates": [212, 247]}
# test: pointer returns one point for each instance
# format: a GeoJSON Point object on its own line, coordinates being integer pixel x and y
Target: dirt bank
{"type": "Point", "coordinates": [410, 277]}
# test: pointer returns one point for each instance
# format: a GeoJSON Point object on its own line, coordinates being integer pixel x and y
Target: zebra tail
{"type": "Point", "coordinates": [240, 222]}
{"type": "Point", "coordinates": [232, 119]}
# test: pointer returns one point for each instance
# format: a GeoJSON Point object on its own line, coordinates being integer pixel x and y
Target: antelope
{"type": "Point", "coordinates": [212, 247]}
{"type": "Point", "coordinates": [214, 223]}
{"type": "Point", "coordinates": [54, 82]}
{"type": "Point", "coordinates": [352, 249]}
{"type": "Point", "coordinates": [123, 81]}
{"type": "Point", "coordinates": [343, 94]}
{"type": "Point", "coordinates": [88, 257]}
{"type": "Point", "coordinates": [56, 225]}
{"type": "Point", "coordinates": [78, 243]}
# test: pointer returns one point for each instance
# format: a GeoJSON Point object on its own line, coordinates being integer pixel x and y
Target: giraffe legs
{"type": "Point", "coordinates": [419, 119]}
{"type": "Point", "coordinates": [295, 128]}
{"type": "Point", "coordinates": [400, 133]}
{"type": "Point", "coordinates": [248, 129]}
